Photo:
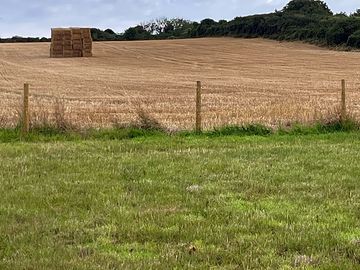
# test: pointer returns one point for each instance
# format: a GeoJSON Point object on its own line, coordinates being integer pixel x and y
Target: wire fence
{"type": "Point", "coordinates": [179, 112]}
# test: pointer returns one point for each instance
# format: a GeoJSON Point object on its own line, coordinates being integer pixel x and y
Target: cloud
{"type": "Point", "coordinates": [36, 17]}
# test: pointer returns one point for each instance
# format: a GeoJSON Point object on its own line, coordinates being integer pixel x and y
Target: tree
{"type": "Point", "coordinates": [155, 27]}
{"type": "Point", "coordinates": [130, 34]}
{"type": "Point", "coordinates": [311, 7]}
{"type": "Point", "coordinates": [208, 22]}
{"type": "Point", "coordinates": [356, 13]}
{"type": "Point", "coordinates": [354, 40]}
{"type": "Point", "coordinates": [108, 34]}
{"type": "Point", "coordinates": [136, 33]}
{"type": "Point", "coordinates": [110, 31]}
{"type": "Point", "coordinates": [206, 27]}
{"type": "Point", "coordinates": [165, 27]}
{"type": "Point", "coordinates": [336, 35]}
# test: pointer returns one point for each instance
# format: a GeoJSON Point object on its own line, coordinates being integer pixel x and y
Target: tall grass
{"type": "Point", "coordinates": [58, 125]}
{"type": "Point", "coordinates": [144, 121]}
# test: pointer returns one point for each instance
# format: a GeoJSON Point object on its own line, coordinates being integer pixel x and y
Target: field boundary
{"type": "Point", "coordinates": [26, 121]}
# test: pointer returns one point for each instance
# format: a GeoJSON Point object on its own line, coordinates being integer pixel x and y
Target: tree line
{"type": "Point", "coordinates": [305, 20]}
{"type": "Point", "coordinates": [16, 39]}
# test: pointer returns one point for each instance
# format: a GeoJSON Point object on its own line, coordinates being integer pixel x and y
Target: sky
{"type": "Point", "coordinates": [37, 17]}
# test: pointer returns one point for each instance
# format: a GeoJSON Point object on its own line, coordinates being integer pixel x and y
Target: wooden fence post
{"type": "Point", "coordinates": [26, 113]}
{"type": "Point", "coordinates": [343, 101]}
{"type": "Point", "coordinates": [198, 107]}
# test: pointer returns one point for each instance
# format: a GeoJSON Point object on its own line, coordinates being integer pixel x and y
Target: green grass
{"type": "Point", "coordinates": [150, 128]}
{"type": "Point", "coordinates": [180, 202]}
{"type": "Point", "coordinates": [48, 133]}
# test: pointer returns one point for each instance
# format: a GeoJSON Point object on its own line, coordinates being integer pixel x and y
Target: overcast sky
{"type": "Point", "coordinates": [36, 17]}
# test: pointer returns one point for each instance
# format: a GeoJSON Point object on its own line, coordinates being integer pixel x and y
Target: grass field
{"type": "Point", "coordinates": [244, 81]}
{"type": "Point", "coordinates": [275, 202]}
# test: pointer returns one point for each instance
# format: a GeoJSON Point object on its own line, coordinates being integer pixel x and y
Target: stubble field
{"type": "Point", "coordinates": [244, 81]}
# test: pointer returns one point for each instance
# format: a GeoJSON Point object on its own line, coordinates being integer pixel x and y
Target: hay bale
{"type": "Point", "coordinates": [87, 54]}
{"type": "Point", "coordinates": [77, 47]}
{"type": "Point", "coordinates": [77, 54]}
{"type": "Point", "coordinates": [71, 42]}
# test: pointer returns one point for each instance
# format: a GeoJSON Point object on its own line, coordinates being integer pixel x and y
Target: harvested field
{"type": "Point", "coordinates": [244, 80]}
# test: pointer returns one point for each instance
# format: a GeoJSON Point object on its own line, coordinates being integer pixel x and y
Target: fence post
{"type": "Point", "coordinates": [26, 114]}
{"type": "Point", "coordinates": [198, 107]}
{"type": "Point", "coordinates": [343, 101]}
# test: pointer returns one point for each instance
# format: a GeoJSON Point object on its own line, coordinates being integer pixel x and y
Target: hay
{"type": "Point", "coordinates": [71, 42]}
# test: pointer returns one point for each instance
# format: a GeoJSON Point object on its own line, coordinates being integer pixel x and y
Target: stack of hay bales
{"type": "Point", "coordinates": [71, 42]}
{"type": "Point", "coordinates": [87, 42]}
{"type": "Point", "coordinates": [61, 43]}
{"type": "Point", "coordinates": [82, 42]}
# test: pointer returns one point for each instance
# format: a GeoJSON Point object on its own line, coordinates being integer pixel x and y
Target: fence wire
{"type": "Point", "coordinates": [177, 112]}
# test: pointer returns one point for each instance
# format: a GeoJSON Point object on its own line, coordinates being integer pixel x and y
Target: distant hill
{"type": "Point", "coordinates": [306, 20]}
